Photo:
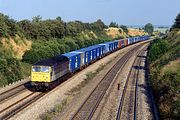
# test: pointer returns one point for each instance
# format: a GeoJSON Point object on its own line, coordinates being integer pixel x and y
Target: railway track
{"type": "Point", "coordinates": [12, 92]}
{"type": "Point", "coordinates": [12, 109]}
{"type": "Point", "coordinates": [16, 99]}
{"type": "Point", "coordinates": [89, 106]}
{"type": "Point", "coordinates": [128, 106]}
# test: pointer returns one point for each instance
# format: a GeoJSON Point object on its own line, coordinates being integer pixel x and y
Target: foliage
{"type": "Point", "coordinates": [177, 22]}
{"type": "Point", "coordinates": [8, 26]}
{"type": "Point", "coordinates": [113, 24]}
{"type": "Point", "coordinates": [158, 48]}
{"type": "Point", "coordinates": [10, 69]}
{"type": "Point", "coordinates": [149, 28]}
{"type": "Point", "coordinates": [124, 28]}
{"type": "Point", "coordinates": [46, 29]}
{"type": "Point", "coordinates": [165, 79]}
{"type": "Point", "coordinates": [98, 25]}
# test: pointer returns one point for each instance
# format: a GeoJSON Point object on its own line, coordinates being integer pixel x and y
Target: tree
{"type": "Point", "coordinates": [98, 25]}
{"type": "Point", "coordinates": [8, 26]}
{"type": "Point", "coordinates": [72, 45]}
{"type": "Point", "coordinates": [59, 19]}
{"type": "Point", "coordinates": [3, 29]}
{"type": "Point", "coordinates": [177, 22]}
{"type": "Point", "coordinates": [29, 29]}
{"type": "Point", "coordinates": [124, 28]}
{"type": "Point", "coordinates": [36, 18]}
{"type": "Point", "coordinates": [113, 24]}
{"type": "Point", "coordinates": [149, 28]}
{"type": "Point", "coordinates": [74, 27]}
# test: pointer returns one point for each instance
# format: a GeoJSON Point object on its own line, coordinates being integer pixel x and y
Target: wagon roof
{"type": "Point", "coordinates": [88, 48]}
{"type": "Point", "coordinates": [70, 54]}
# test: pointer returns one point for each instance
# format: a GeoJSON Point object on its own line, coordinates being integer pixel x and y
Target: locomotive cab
{"type": "Point", "coordinates": [41, 74]}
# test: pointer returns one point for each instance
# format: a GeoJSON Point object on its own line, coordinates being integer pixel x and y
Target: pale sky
{"type": "Point", "coordinates": [127, 12]}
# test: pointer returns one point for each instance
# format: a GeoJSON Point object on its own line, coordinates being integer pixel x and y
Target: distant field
{"type": "Point", "coordinates": [162, 30]}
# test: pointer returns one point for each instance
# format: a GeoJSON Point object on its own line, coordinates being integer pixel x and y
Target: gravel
{"type": "Point", "coordinates": [10, 86]}
{"type": "Point", "coordinates": [144, 103]}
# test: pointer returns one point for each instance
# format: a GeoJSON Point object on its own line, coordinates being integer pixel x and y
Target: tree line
{"type": "Point", "coordinates": [45, 29]}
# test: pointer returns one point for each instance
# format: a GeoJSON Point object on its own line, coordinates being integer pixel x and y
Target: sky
{"type": "Point", "coordinates": [126, 12]}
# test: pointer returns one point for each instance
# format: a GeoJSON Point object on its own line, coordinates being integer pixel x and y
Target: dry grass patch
{"type": "Point", "coordinates": [17, 45]}
{"type": "Point", "coordinates": [115, 32]}
{"type": "Point", "coordinates": [172, 66]}
{"type": "Point", "coordinates": [135, 32]}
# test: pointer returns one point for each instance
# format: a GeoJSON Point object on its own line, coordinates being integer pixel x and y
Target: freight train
{"type": "Point", "coordinates": [47, 74]}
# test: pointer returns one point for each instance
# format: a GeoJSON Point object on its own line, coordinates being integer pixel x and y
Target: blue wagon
{"type": "Point", "coordinates": [91, 53]}
{"type": "Point", "coordinates": [130, 40]}
{"type": "Point", "coordinates": [110, 46]}
{"type": "Point", "coordinates": [105, 48]}
{"type": "Point", "coordinates": [98, 51]}
{"type": "Point", "coordinates": [113, 45]}
{"type": "Point", "coordinates": [115, 42]}
{"type": "Point", "coordinates": [74, 61]}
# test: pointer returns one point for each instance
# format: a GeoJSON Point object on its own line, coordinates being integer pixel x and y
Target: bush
{"type": "Point", "coordinates": [157, 49]}
{"type": "Point", "coordinates": [10, 71]}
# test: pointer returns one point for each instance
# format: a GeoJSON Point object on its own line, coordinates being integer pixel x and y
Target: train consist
{"type": "Point", "coordinates": [49, 73]}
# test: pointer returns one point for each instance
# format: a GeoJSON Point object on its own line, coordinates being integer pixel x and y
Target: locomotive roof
{"type": "Point", "coordinates": [53, 60]}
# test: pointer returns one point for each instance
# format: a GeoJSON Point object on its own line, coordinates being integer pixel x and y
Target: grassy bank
{"type": "Point", "coordinates": [164, 58]}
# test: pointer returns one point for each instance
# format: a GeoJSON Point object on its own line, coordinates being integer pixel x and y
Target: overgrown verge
{"type": "Point", "coordinates": [164, 58]}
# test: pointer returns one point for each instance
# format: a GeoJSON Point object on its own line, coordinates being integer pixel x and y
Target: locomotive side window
{"type": "Point", "coordinates": [45, 69]}
{"type": "Point", "coordinates": [36, 69]}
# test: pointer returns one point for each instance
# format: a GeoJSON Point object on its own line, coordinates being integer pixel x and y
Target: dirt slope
{"type": "Point", "coordinates": [135, 32]}
{"type": "Point", "coordinates": [17, 45]}
{"type": "Point", "coordinates": [115, 32]}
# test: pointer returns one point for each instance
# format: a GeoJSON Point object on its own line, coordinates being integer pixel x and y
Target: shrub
{"type": "Point", "coordinates": [157, 49]}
